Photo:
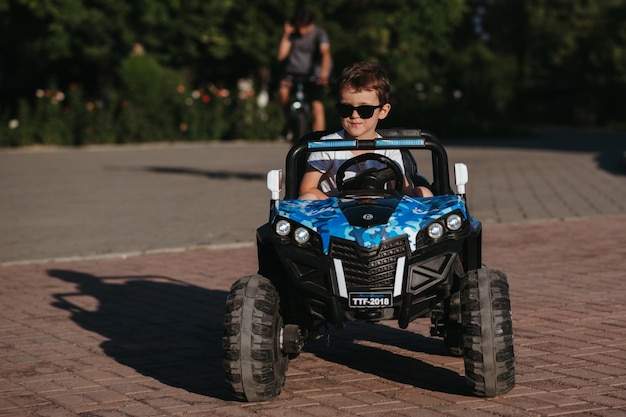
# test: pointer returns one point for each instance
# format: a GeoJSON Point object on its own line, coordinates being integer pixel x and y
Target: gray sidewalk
{"type": "Point", "coordinates": [107, 200]}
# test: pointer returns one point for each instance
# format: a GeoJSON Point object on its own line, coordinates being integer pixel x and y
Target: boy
{"type": "Point", "coordinates": [363, 101]}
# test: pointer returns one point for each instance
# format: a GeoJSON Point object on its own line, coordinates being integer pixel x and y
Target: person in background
{"type": "Point", "coordinates": [305, 48]}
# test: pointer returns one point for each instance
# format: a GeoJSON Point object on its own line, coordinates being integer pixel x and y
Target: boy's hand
{"type": "Point", "coordinates": [418, 192]}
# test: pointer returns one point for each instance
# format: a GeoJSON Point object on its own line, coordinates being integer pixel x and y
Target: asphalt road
{"type": "Point", "coordinates": [110, 200]}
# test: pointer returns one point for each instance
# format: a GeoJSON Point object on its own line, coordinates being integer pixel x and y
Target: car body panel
{"type": "Point", "coordinates": [328, 217]}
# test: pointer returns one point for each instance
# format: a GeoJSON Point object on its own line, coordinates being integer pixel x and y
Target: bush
{"type": "Point", "coordinates": [254, 116]}
{"type": "Point", "coordinates": [152, 103]}
{"type": "Point", "coordinates": [148, 95]}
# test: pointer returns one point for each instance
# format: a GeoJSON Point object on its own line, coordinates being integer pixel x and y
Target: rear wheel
{"type": "Point", "coordinates": [487, 333]}
{"type": "Point", "coordinates": [453, 330]}
{"type": "Point", "coordinates": [254, 362]}
{"type": "Point", "coordinates": [299, 124]}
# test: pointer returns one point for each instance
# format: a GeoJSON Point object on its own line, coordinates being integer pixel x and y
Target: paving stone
{"type": "Point", "coordinates": [139, 335]}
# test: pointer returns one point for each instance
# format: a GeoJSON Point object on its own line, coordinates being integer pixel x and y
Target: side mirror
{"type": "Point", "coordinates": [461, 177]}
{"type": "Point", "coordinates": [274, 182]}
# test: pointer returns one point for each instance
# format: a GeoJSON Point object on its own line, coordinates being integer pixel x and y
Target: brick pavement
{"type": "Point", "coordinates": [140, 336]}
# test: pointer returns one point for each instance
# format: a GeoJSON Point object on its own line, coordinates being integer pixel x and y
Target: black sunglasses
{"type": "Point", "coordinates": [365, 111]}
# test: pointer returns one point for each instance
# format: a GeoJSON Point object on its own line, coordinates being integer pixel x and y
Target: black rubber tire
{"type": "Point", "coordinates": [453, 333]}
{"type": "Point", "coordinates": [487, 333]}
{"type": "Point", "coordinates": [254, 363]}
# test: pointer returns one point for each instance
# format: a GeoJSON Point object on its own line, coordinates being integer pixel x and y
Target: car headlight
{"type": "Point", "coordinates": [435, 230]}
{"type": "Point", "coordinates": [454, 222]}
{"type": "Point", "coordinates": [282, 227]}
{"type": "Point", "coordinates": [301, 235]}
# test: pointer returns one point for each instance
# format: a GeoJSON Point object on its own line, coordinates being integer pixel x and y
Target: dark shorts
{"type": "Point", "coordinates": [313, 90]}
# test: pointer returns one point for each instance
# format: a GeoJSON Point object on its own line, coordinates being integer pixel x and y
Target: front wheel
{"type": "Point", "coordinates": [487, 333]}
{"type": "Point", "coordinates": [254, 362]}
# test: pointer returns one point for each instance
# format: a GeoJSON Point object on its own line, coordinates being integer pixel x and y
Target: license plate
{"type": "Point", "coordinates": [370, 300]}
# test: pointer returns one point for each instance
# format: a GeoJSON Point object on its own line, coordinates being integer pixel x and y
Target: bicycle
{"type": "Point", "coordinates": [300, 119]}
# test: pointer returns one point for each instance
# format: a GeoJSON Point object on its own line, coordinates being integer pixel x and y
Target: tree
{"type": "Point", "coordinates": [570, 54]}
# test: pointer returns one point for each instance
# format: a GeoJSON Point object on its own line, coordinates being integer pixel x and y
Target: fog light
{"type": "Point", "coordinates": [301, 235]}
{"type": "Point", "coordinates": [435, 231]}
{"type": "Point", "coordinates": [454, 222]}
{"type": "Point", "coordinates": [282, 228]}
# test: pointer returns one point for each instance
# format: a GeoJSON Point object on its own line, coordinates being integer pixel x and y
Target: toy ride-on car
{"type": "Point", "coordinates": [369, 254]}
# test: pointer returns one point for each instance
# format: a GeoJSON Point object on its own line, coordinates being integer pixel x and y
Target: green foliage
{"type": "Point", "coordinates": [18, 131]}
{"type": "Point", "coordinates": [255, 122]}
{"type": "Point", "coordinates": [560, 61]}
{"type": "Point", "coordinates": [142, 77]}
{"type": "Point", "coordinates": [409, 37]}
{"type": "Point", "coordinates": [572, 61]}
{"type": "Point", "coordinates": [484, 89]}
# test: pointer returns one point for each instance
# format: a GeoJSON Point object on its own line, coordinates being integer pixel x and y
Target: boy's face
{"type": "Point", "coordinates": [356, 126]}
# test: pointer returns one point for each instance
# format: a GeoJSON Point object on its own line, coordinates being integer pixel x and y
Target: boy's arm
{"type": "Point", "coordinates": [310, 181]}
{"type": "Point", "coordinates": [419, 191]}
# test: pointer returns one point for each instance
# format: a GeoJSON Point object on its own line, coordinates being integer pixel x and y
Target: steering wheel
{"type": "Point", "coordinates": [372, 178]}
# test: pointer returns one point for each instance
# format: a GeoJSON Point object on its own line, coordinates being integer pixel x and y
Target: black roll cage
{"type": "Point", "coordinates": [403, 139]}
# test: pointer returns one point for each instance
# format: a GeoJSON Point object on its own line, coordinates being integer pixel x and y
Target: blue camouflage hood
{"type": "Point", "coordinates": [368, 221]}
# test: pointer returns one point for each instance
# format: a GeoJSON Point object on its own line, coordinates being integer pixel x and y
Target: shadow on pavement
{"type": "Point", "coordinates": [608, 147]}
{"type": "Point", "coordinates": [161, 327]}
{"type": "Point", "coordinates": [171, 331]}
{"type": "Point", "coordinates": [214, 175]}
{"type": "Point", "coordinates": [355, 347]}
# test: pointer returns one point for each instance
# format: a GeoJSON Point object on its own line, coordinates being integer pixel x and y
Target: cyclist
{"type": "Point", "coordinates": [306, 49]}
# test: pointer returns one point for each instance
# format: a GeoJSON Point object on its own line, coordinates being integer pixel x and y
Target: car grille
{"type": "Point", "coordinates": [371, 268]}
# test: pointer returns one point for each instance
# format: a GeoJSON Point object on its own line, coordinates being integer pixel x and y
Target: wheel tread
{"type": "Point", "coordinates": [253, 364]}
{"type": "Point", "coordinates": [488, 333]}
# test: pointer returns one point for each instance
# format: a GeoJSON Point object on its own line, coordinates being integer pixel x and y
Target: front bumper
{"type": "Point", "coordinates": [321, 286]}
